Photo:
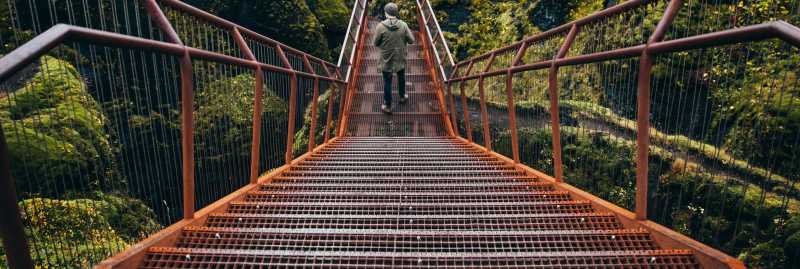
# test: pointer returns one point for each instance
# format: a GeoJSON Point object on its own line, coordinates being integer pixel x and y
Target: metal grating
{"type": "Point", "coordinates": [193, 258]}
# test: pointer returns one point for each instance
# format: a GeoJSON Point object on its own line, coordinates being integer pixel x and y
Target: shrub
{"type": "Point", "coordinates": [78, 233]}
{"type": "Point", "coordinates": [55, 132]}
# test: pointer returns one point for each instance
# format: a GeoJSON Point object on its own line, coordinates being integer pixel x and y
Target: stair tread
{"type": "Point", "coordinates": [659, 252]}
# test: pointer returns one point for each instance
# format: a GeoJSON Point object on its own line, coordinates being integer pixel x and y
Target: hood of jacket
{"type": "Point", "coordinates": [391, 24]}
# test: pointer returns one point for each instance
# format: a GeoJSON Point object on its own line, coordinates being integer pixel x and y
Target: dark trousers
{"type": "Point", "coordinates": [387, 85]}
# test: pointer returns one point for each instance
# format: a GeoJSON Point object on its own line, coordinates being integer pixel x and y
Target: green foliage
{"type": "Point", "coordinates": [55, 132]}
{"type": "Point", "coordinates": [333, 14]}
{"type": "Point", "coordinates": [408, 11]}
{"type": "Point", "coordinates": [302, 137]}
{"type": "Point", "coordinates": [288, 21]}
{"type": "Point", "coordinates": [77, 233]}
{"type": "Point", "coordinates": [224, 118]}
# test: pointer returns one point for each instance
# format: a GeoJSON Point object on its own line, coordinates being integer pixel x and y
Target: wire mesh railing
{"type": "Point", "coordinates": [695, 132]}
{"type": "Point", "coordinates": [114, 135]}
{"type": "Point", "coordinates": [348, 54]}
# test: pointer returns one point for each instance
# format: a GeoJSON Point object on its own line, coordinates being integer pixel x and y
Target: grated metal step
{"type": "Point", "coordinates": [365, 240]}
{"type": "Point", "coordinates": [194, 258]}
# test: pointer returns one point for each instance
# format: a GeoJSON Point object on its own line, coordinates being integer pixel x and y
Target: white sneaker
{"type": "Point", "coordinates": [386, 109]}
{"type": "Point", "coordinates": [404, 99]}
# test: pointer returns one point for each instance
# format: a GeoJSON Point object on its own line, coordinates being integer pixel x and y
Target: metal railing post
{"type": "Point", "coordinates": [187, 108]}
{"type": "Point", "coordinates": [487, 139]}
{"type": "Point", "coordinates": [313, 128]}
{"type": "Point", "coordinates": [255, 153]}
{"type": "Point", "coordinates": [512, 110]}
{"type": "Point", "coordinates": [331, 98]}
{"type": "Point", "coordinates": [312, 137]}
{"type": "Point", "coordinates": [467, 117]}
{"type": "Point", "coordinates": [555, 120]}
{"type": "Point", "coordinates": [643, 110]}
{"type": "Point", "coordinates": [292, 105]}
{"type": "Point", "coordinates": [11, 229]}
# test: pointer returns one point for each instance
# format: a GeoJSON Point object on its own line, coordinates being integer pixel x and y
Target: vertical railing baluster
{"type": "Point", "coordinates": [314, 103]}
{"type": "Point", "coordinates": [255, 153]}
{"type": "Point", "coordinates": [292, 105]}
{"type": "Point", "coordinates": [313, 129]}
{"type": "Point", "coordinates": [11, 229]}
{"type": "Point", "coordinates": [187, 108]}
{"type": "Point", "coordinates": [643, 109]}
{"type": "Point", "coordinates": [487, 140]}
{"type": "Point", "coordinates": [512, 110]}
{"type": "Point", "coordinates": [467, 123]}
{"type": "Point", "coordinates": [331, 97]}
{"type": "Point", "coordinates": [555, 120]}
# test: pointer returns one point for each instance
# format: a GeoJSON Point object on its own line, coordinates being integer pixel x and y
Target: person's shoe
{"type": "Point", "coordinates": [404, 99]}
{"type": "Point", "coordinates": [386, 109]}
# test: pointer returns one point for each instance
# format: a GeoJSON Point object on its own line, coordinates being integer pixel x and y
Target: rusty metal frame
{"type": "Point", "coordinates": [58, 34]}
{"type": "Point", "coordinates": [355, 65]}
{"type": "Point", "coordinates": [555, 121]}
{"type": "Point", "coordinates": [487, 139]}
{"type": "Point", "coordinates": [12, 231]}
{"type": "Point", "coordinates": [433, 60]}
{"type": "Point", "coordinates": [643, 109]}
{"type": "Point", "coordinates": [654, 46]}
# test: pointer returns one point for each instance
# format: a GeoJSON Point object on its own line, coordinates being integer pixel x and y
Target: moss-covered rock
{"type": "Point", "coordinates": [55, 132]}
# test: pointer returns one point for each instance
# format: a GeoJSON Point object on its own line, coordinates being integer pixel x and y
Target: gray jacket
{"type": "Point", "coordinates": [391, 37]}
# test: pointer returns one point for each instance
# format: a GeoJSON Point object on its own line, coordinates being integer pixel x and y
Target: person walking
{"type": "Point", "coordinates": [391, 37]}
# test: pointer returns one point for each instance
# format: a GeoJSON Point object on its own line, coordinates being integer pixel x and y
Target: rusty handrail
{"type": "Point", "coordinates": [442, 61]}
{"type": "Point", "coordinates": [347, 58]}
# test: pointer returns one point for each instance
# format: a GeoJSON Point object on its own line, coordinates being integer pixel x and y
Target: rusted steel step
{"type": "Point", "coordinates": [498, 172]}
{"type": "Point", "coordinates": [363, 240]}
{"type": "Point", "coordinates": [369, 187]}
{"type": "Point", "coordinates": [400, 163]}
{"type": "Point", "coordinates": [397, 145]}
{"type": "Point", "coordinates": [391, 138]}
{"type": "Point", "coordinates": [410, 180]}
{"type": "Point", "coordinates": [400, 150]}
{"type": "Point", "coordinates": [393, 155]}
{"type": "Point", "coordinates": [562, 207]}
{"type": "Point", "coordinates": [408, 197]}
{"type": "Point", "coordinates": [509, 222]}
{"type": "Point", "coordinates": [400, 159]}
{"type": "Point", "coordinates": [209, 258]}
{"type": "Point", "coordinates": [398, 169]}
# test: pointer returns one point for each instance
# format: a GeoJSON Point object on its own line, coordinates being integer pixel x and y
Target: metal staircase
{"type": "Point", "coordinates": [397, 192]}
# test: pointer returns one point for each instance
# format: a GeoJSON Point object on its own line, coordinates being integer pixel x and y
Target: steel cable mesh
{"type": "Point", "coordinates": [598, 128]}
{"type": "Point", "coordinates": [724, 143]}
{"type": "Point", "coordinates": [263, 51]}
{"type": "Point", "coordinates": [30, 18]}
{"type": "Point", "coordinates": [698, 17]}
{"type": "Point", "coordinates": [223, 121]}
{"type": "Point", "coordinates": [497, 112]}
{"type": "Point", "coordinates": [92, 132]}
{"type": "Point", "coordinates": [626, 29]}
{"type": "Point", "coordinates": [532, 104]}
{"type": "Point", "coordinates": [544, 49]}
{"type": "Point", "coordinates": [198, 33]}
{"type": "Point", "coordinates": [302, 124]}
{"type": "Point", "coordinates": [274, 120]}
